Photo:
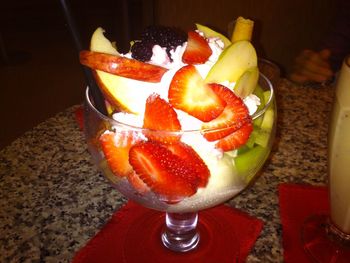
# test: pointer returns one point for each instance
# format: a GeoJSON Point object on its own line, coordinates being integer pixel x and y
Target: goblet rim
{"type": "Point", "coordinates": [133, 127]}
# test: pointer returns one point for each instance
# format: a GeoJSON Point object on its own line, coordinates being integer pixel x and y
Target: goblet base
{"type": "Point", "coordinates": [322, 243]}
{"type": "Point", "coordinates": [218, 243]}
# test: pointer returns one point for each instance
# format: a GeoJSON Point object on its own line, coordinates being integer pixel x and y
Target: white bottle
{"type": "Point", "coordinates": [339, 151]}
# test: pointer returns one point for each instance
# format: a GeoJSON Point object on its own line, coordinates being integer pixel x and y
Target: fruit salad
{"type": "Point", "coordinates": [190, 124]}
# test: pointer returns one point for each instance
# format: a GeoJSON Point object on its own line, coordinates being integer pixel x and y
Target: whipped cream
{"type": "Point", "coordinates": [252, 102]}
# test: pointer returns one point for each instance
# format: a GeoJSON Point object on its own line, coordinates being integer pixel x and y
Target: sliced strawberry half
{"type": "Point", "coordinates": [235, 139]}
{"type": "Point", "coordinates": [189, 93]}
{"type": "Point", "coordinates": [116, 146]}
{"type": "Point", "coordinates": [197, 50]}
{"type": "Point", "coordinates": [165, 173]}
{"type": "Point", "coordinates": [160, 116]}
{"type": "Point", "coordinates": [137, 183]}
{"type": "Point", "coordinates": [191, 157]}
{"type": "Point", "coordinates": [234, 116]}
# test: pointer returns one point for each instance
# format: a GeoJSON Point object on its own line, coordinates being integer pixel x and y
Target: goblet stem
{"type": "Point", "coordinates": [180, 233]}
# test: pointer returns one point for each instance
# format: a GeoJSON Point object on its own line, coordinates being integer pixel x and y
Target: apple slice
{"type": "Point", "coordinates": [122, 66]}
{"type": "Point", "coordinates": [119, 91]}
{"type": "Point", "coordinates": [247, 82]}
{"type": "Point", "coordinates": [233, 62]}
{"type": "Point", "coordinates": [99, 43]}
{"type": "Point", "coordinates": [208, 32]}
{"type": "Point", "coordinates": [118, 65]}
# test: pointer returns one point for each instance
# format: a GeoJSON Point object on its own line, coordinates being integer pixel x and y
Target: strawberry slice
{"type": "Point", "coordinates": [164, 172]}
{"type": "Point", "coordinates": [116, 146]}
{"type": "Point", "coordinates": [160, 116]}
{"type": "Point", "coordinates": [235, 139]}
{"type": "Point", "coordinates": [137, 183]}
{"type": "Point", "coordinates": [234, 116]}
{"type": "Point", "coordinates": [189, 93]}
{"type": "Point", "coordinates": [190, 156]}
{"type": "Point", "coordinates": [197, 50]}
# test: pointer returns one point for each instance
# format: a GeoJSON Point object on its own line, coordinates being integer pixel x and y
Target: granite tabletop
{"type": "Point", "coordinates": [53, 199]}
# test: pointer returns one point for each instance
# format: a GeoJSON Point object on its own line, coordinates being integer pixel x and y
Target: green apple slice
{"type": "Point", "coordinates": [208, 32]}
{"type": "Point", "coordinates": [247, 82]}
{"type": "Point", "coordinates": [233, 62]}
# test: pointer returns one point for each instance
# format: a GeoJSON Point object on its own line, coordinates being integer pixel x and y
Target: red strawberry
{"type": "Point", "coordinates": [115, 147]}
{"type": "Point", "coordinates": [232, 118]}
{"type": "Point", "coordinates": [197, 50]}
{"type": "Point", "coordinates": [160, 116]}
{"type": "Point", "coordinates": [165, 173]}
{"type": "Point", "coordinates": [137, 183]}
{"type": "Point", "coordinates": [190, 156]}
{"type": "Point", "coordinates": [189, 93]}
{"type": "Point", "coordinates": [235, 139]}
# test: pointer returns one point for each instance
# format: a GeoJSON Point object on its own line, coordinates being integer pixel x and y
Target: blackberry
{"type": "Point", "coordinates": [166, 37]}
{"type": "Point", "coordinates": [142, 50]}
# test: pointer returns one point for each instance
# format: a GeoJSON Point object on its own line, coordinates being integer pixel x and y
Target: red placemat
{"type": "Point", "coordinates": [297, 203]}
{"type": "Point", "coordinates": [109, 244]}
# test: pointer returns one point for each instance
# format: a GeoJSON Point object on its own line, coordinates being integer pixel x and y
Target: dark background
{"type": "Point", "coordinates": [40, 73]}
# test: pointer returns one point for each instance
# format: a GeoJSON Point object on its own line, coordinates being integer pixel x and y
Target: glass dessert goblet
{"type": "Point", "coordinates": [181, 173]}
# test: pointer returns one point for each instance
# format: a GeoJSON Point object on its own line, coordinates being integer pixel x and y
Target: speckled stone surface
{"type": "Point", "coordinates": [53, 200]}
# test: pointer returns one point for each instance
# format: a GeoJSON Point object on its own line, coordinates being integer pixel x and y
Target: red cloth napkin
{"type": "Point", "coordinates": [108, 245]}
{"type": "Point", "coordinates": [297, 203]}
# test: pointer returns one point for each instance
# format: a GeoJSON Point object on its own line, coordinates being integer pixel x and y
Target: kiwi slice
{"type": "Point", "coordinates": [259, 92]}
{"type": "Point", "coordinates": [250, 161]}
{"type": "Point", "coordinates": [264, 124]}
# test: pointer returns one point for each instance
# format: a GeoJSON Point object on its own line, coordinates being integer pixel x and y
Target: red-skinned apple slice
{"type": "Point", "coordinates": [119, 91]}
{"type": "Point", "coordinates": [122, 66]}
{"type": "Point", "coordinates": [109, 92]}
